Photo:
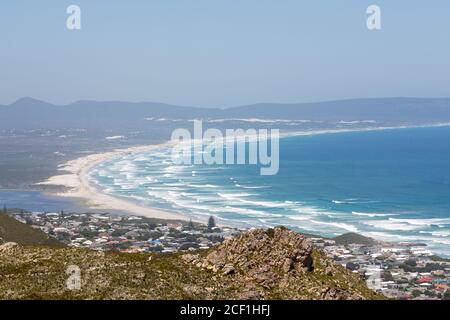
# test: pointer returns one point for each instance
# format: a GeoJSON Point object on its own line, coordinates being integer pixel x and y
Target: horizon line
{"type": "Point", "coordinates": [215, 107]}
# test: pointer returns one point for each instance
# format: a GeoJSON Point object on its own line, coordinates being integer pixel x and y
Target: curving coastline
{"type": "Point", "coordinates": [75, 176]}
{"type": "Point", "coordinates": [75, 179]}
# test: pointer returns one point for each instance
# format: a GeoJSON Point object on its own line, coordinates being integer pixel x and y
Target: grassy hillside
{"type": "Point", "coordinates": [12, 230]}
{"type": "Point", "coordinates": [237, 269]}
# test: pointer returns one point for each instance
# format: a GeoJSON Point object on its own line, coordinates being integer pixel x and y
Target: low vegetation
{"type": "Point", "coordinates": [279, 264]}
{"type": "Point", "coordinates": [12, 230]}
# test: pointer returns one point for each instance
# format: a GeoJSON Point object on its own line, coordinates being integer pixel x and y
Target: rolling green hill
{"type": "Point", "coordinates": [354, 238]}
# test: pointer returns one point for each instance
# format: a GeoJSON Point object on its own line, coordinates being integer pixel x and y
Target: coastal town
{"type": "Point", "coordinates": [131, 234]}
{"type": "Point", "coordinates": [406, 271]}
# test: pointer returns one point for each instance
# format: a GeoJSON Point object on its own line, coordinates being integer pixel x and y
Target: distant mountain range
{"type": "Point", "coordinates": [32, 113]}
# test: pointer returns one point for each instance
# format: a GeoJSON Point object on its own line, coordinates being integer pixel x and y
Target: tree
{"type": "Point", "coordinates": [191, 225]}
{"type": "Point", "coordinates": [387, 275]}
{"type": "Point", "coordinates": [430, 293]}
{"type": "Point", "coordinates": [415, 293]}
{"type": "Point", "coordinates": [211, 223]}
{"type": "Point", "coordinates": [447, 295]}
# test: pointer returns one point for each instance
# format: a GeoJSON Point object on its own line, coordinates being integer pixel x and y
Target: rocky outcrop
{"type": "Point", "coordinates": [280, 261]}
{"type": "Point", "coordinates": [260, 254]}
{"type": "Point", "coordinates": [8, 247]}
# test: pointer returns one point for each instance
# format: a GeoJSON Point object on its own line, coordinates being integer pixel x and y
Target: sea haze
{"type": "Point", "coordinates": [389, 184]}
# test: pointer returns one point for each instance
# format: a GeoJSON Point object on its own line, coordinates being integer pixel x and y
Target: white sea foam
{"type": "Point", "coordinates": [385, 236]}
{"type": "Point", "coordinates": [237, 197]}
{"type": "Point", "coordinates": [373, 215]}
{"type": "Point", "coordinates": [268, 204]}
{"type": "Point", "coordinates": [114, 137]}
{"type": "Point", "coordinates": [442, 234]}
{"type": "Point", "coordinates": [424, 222]}
{"type": "Point", "coordinates": [338, 225]}
{"type": "Point", "coordinates": [234, 196]}
{"type": "Point", "coordinates": [356, 122]}
{"type": "Point", "coordinates": [353, 201]}
{"type": "Point", "coordinates": [408, 238]}
{"type": "Point", "coordinates": [175, 184]}
{"type": "Point", "coordinates": [246, 211]}
{"type": "Point", "coordinates": [392, 225]}
{"type": "Point", "coordinates": [314, 211]}
{"type": "Point", "coordinates": [258, 120]}
{"type": "Point", "coordinates": [202, 186]}
{"type": "Point", "coordinates": [174, 169]}
{"type": "Point", "coordinates": [300, 218]}
{"type": "Point", "coordinates": [251, 187]}
{"type": "Point", "coordinates": [141, 159]}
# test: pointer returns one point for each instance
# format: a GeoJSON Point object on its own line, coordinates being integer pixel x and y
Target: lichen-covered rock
{"type": "Point", "coordinates": [228, 269]}
{"type": "Point", "coordinates": [281, 261]}
{"type": "Point", "coordinates": [279, 248]}
{"type": "Point", "coordinates": [8, 247]}
{"type": "Point", "coordinates": [261, 253]}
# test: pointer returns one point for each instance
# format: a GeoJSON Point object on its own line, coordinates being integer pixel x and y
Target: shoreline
{"type": "Point", "coordinates": [78, 186]}
{"type": "Point", "coordinates": [76, 181]}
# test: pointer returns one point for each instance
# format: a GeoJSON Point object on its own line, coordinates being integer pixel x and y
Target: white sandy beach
{"type": "Point", "coordinates": [75, 179]}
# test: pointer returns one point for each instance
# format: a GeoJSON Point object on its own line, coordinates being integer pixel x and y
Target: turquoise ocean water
{"type": "Point", "coordinates": [388, 184]}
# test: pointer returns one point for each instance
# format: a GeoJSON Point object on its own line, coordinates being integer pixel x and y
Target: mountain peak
{"type": "Point", "coordinates": [28, 101]}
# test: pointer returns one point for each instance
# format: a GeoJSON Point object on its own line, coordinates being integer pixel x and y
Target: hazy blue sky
{"type": "Point", "coordinates": [223, 52]}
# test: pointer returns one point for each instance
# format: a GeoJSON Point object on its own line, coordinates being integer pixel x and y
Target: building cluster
{"type": "Point", "coordinates": [397, 270]}
{"type": "Point", "coordinates": [126, 233]}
